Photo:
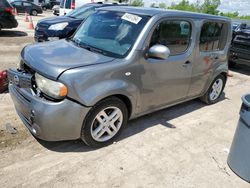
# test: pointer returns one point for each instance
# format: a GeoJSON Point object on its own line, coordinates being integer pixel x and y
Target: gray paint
{"type": "Point", "coordinates": [150, 84]}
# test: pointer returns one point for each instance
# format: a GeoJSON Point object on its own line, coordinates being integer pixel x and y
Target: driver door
{"type": "Point", "coordinates": [167, 81]}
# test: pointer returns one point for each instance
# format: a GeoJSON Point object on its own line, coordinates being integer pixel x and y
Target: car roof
{"type": "Point", "coordinates": [155, 11]}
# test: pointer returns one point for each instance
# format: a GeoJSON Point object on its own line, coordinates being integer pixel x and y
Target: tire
{"type": "Point", "coordinates": [220, 82]}
{"type": "Point", "coordinates": [97, 134]}
{"type": "Point", "coordinates": [44, 8]}
{"type": "Point", "coordinates": [34, 12]}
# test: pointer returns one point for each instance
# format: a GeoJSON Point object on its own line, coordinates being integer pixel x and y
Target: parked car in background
{"type": "Point", "coordinates": [68, 5]}
{"type": "Point", "coordinates": [240, 48]}
{"type": "Point", "coordinates": [7, 19]}
{"type": "Point", "coordinates": [55, 28]}
{"type": "Point", "coordinates": [122, 63]}
{"type": "Point", "coordinates": [25, 6]}
{"type": "Point", "coordinates": [49, 4]}
{"type": "Point", "coordinates": [56, 9]}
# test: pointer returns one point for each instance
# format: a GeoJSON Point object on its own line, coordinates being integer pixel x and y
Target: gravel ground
{"type": "Point", "coordinates": [183, 146]}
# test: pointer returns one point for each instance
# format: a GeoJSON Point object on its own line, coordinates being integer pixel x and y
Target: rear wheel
{"type": "Point", "coordinates": [104, 122]}
{"type": "Point", "coordinates": [215, 90]}
{"type": "Point", "coordinates": [34, 12]}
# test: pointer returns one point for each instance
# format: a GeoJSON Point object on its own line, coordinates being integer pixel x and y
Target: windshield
{"type": "Point", "coordinates": [110, 33]}
{"type": "Point", "coordinates": [81, 12]}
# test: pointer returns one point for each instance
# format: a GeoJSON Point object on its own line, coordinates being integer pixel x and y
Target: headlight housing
{"type": "Point", "coordinates": [59, 26]}
{"type": "Point", "coordinates": [51, 88]}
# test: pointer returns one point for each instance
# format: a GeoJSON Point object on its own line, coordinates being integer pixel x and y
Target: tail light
{"type": "Point", "coordinates": [73, 5]}
{"type": "Point", "coordinates": [9, 10]}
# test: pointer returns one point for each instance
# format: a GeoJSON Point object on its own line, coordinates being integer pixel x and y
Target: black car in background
{"type": "Point", "coordinates": [49, 4]}
{"type": "Point", "coordinates": [60, 27]}
{"type": "Point", "coordinates": [25, 6]}
{"type": "Point", "coordinates": [7, 19]}
{"type": "Point", "coordinates": [240, 48]}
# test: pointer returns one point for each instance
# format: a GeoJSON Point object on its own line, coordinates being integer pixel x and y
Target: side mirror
{"type": "Point", "coordinates": [159, 51]}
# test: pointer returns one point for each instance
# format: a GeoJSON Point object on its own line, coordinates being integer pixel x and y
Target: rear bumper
{"type": "Point", "coordinates": [50, 121]}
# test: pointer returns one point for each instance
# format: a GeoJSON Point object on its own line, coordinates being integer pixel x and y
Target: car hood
{"type": "Point", "coordinates": [51, 59]}
{"type": "Point", "coordinates": [58, 19]}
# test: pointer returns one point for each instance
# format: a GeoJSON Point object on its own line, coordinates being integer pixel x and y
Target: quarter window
{"type": "Point", "coordinates": [175, 35]}
{"type": "Point", "coordinates": [211, 38]}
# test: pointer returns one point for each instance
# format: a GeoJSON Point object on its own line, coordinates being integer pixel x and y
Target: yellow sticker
{"type": "Point", "coordinates": [131, 18]}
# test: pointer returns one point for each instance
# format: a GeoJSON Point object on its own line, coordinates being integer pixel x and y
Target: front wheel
{"type": "Point", "coordinates": [34, 12]}
{"type": "Point", "coordinates": [104, 122]}
{"type": "Point", "coordinates": [215, 90]}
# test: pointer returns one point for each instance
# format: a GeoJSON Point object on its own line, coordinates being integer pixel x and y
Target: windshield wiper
{"type": "Point", "coordinates": [91, 48]}
{"type": "Point", "coordinates": [87, 46]}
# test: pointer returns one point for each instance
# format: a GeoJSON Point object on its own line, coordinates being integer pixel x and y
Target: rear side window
{"type": "Point", "coordinates": [18, 3]}
{"type": "Point", "coordinates": [211, 38]}
{"type": "Point", "coordinates": [27, 4]}
{"type": "Point", "coordinates": [173, 34]}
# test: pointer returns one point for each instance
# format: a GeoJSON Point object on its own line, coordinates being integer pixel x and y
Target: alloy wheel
{"type": "Point", "coordinates": [106, 124]}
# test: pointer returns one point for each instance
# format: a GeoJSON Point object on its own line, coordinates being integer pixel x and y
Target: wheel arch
{"type": "Point", "coordinates": [221, 70]}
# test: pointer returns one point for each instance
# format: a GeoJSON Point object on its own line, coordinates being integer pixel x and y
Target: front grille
{"type": "Point", "coordinates": [241, 46]}
{"type": "Point", "coordinates": [243, 38]}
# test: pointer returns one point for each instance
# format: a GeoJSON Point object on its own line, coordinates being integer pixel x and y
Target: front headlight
{"type": "Point", "coordinates": [51, 88]}
{"type": "Point", "coordinates": [59, 26]}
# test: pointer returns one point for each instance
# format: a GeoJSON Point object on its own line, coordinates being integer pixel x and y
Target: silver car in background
{"type": "Point", "coordinates": [122, 63]}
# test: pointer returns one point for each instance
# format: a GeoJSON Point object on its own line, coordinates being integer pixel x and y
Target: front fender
{"type": "Point", "coordinates": [107, 88]}
{"type": "Point", "coordinates": [87, 87]}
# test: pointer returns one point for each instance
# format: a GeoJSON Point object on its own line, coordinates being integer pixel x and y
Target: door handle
{"type": "Point", "coordinates": [186, 63]}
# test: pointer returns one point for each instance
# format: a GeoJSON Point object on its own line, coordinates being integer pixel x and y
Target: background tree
{"type": "Point", "coordinates": [153, 5]}
{"type": "Point", "coordinates": [162, 5]}
{"type": "Point", "coordinates": [137, 3]}
{"type": "Point", "coordinates": [210, 7]}
{"type": "Point", "coordinates": [185, 5]}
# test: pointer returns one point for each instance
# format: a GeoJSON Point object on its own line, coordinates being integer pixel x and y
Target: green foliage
{"type": "Point", "coordinates": [185, 5]}
{"type": "Point", "coordinates": [153, 5]}
{"type": "Point", "coordinates": [137, 3]}
{"type": "Point", "coordinates": [208, 7]}
{"type": "Point", "coordinates": [162, 5]}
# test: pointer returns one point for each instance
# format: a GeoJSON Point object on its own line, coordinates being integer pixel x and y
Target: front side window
{"type": "Point", "coordinates": [211, 38]}
{"type": "Point", "coordinates": [175, 35]}
{"type": "Point", "coordinates": [111, 33]}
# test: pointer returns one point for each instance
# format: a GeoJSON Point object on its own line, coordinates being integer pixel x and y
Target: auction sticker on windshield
{"type": "Point", "coordinates": [131, 18]}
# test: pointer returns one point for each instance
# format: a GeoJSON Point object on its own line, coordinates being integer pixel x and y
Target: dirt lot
{"type": "Point", "coordinates": [183, 146]}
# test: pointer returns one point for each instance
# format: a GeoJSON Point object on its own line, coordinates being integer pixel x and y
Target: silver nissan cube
{"type": "Point", "coordinates": [121, 63]}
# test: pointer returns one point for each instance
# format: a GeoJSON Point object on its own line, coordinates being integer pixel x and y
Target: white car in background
{"type": "Point", "coordinates": [67, 5]}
